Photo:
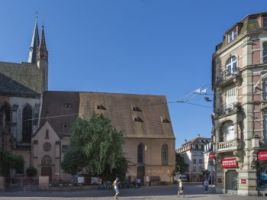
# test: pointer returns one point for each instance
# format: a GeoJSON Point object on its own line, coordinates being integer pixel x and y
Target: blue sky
{"type": "Point", "coordinates": [129, 46]}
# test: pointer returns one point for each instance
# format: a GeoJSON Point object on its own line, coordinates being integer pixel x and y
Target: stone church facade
{"type": "Point", "coordinates": [36, 122]}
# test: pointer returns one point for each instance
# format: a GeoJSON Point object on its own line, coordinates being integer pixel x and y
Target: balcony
{"type": "Point", "coordinates": [225, 78]}
{"type": "Point", "coordinates": [228, 109]}
{"type": "Point", "coordinates": [231, 145]}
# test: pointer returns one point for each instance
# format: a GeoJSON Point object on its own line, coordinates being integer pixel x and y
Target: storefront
{"type": "Point", "coordinates": [231, 175]}
{"type": "Point", "coordinates": [262, 172]}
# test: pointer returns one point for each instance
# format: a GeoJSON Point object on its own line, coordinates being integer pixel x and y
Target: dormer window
{"type": "Point", "coordinates": [137, 109]}
{"type": "Point", "coordinates": [100, 107]}
{"type": "Point", "coordinates": [138, 119]}
{"type": "Point", "coordinates": [164, 120]}
{"type": "Point", "coordinates": [231, 66]}
{"type": "Point", "coordinates": [231, 36]}
{"type": "Point", "coordinates": [67, 105]}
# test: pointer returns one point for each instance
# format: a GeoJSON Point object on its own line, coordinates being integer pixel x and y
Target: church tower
{"type": "Point", "coordinates": [42, 60]}
{"type": "Point", "coordinates": [38, 54]}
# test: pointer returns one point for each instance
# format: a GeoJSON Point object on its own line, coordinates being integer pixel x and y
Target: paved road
{"type": "Point", "coordinates": [193, 192]}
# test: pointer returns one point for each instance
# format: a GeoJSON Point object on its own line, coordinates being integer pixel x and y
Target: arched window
{"type": "Point", "coordinates": [227, 132]}
{"type": "Point", "coordinates": [231, 66]}
{"type": "Point", "coordinates": [164, 154]}
{"type": "Point", "coordinates": [46, 161]}
{"type": "Point", "coordinates": [5, 115]}
{"type": "Point", "coordinates": [140, 153]}
{"type": "Point", "coordinates": [264, 53]}
{"type": "Point", "coordinates": [26, 124]}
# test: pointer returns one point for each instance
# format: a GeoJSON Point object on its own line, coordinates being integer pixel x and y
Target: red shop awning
{"type": "Point", "coordinates": [262, 155]}
{"type": "Point", "coordinates": [229, 162]}
{"type": "Point", "coordinates": [212, 155]}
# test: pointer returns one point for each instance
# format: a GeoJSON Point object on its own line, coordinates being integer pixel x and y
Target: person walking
{"type": "Point", "coordinates": [206, 185]}
{"type": "Point", "coordinates": [180, 188]}
{"type": "Point", "coordinates": [116, 187]}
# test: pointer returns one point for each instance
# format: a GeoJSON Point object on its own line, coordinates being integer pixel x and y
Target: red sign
{"type": "Point", "coordinates": [229, 162]}
{"type": "Point", "coordinates": [262, 155]}
{"type": "Point", "coordinates": [243, 181]}
{"type": "Point", "coordinates": [212, 155]}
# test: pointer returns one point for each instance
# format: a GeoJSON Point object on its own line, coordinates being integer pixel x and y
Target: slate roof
{"type": "Point", "coordinates": [125, 111]}
{"type": "Point", "coordinates": [26, 74]}
{"type": "Point", "coordinates": [9, 87]}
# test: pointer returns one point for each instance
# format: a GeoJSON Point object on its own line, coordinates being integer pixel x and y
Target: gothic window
{"type": "Point", "coordinates": [47, 134]}
{"type": "Point", "coordinates": [164, 154]}
{"type": "Point", "coordinates": [26, 124]}
{"type": "Point", "coordinates": [231, 66]}
{"type": "Point", "coordinates": [46, 161]}
{"type": "Point", "coordinates": [227, 132]}
{"type": "Point", "coordinates": [6, 115]}
{"type": "Point", "coordinates": [264, 53]}
{"type": "Point", "coordinates": [140, 153]}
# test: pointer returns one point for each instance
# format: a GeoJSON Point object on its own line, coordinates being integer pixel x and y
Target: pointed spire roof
{"type": "Point", "coordinates": [34, 44]}
{"type": "Point", "coordinates": [42, 43]}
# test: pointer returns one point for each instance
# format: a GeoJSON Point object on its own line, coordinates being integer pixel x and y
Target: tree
{"type": "Point", "coordinates": [180, 165]}
{"type": "Point", "coordinates": [10, 161]}
{"type": "Point", "coordinates": [95, 146]}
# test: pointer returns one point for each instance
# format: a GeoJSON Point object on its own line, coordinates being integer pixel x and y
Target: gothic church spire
{"type": "Point", "coordinates": [34, 44]}
{"type": "Point", "coordinates": [43, 53]}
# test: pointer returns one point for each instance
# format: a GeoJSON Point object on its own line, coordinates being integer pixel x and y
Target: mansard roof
{"type": "Point", "coordinates": [9, 87]}
{"type": "Point", "coordinates": [60, 109]}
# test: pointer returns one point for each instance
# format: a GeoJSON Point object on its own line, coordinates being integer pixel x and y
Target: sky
{"type": "Point", "coordinates": [159, 47]}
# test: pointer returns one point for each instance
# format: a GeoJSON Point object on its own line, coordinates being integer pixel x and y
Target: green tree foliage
{"type": "Point", "coordinates": [180, 165]}
{"type": "Point", "coordinates": [95, 147]}
{"type": "Point", "coordinates": [9, 161]}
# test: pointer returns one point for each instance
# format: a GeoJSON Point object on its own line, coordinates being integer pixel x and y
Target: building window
{"type": "Point", "coordinates": [136, 108]}
{"type": "Point", "coordinates": [200, 161]}
{"type": "Point", "coordinates": [194, 161]}
{"type": "Point", "coordinates": [230, 99]}
{"type": "Point", "coordinates": [164, 120]}
{"type": "Point", "coordinates": [138, 119]}
{"type": "Point", "coordinates": [100, 107]}
{"type": "Point", "coordinates": [164, 154]}
{"type": "Point", "coordinates": [231, 36]}
{"type": "Point", "coordinates": [5, 116]}
{"type": "Point", "coordinates": [231, 66]}
{"type": "Point", "coordinates": [227, 132]}
{"type": "Point", "coordinates": [26, 124]}
{"type": "Point", "coordinates": [47, 134]}
{"type": "Point", "coordinates": [264, 53]}
{"type": "Point", "coordinates": [140, 153]}
{"type": "Point", "coordinates": [67, 106]}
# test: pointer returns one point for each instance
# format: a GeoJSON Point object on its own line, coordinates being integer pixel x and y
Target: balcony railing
{"type": "Point", "coordinates": [226, 76]}
{"type": "Point", "coordinates": [228, 109]}
{"type": "Point", "coordinates": [228, 145]}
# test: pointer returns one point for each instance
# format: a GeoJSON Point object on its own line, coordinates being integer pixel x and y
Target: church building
{"type": "Point", "coordinates": [36, 123]}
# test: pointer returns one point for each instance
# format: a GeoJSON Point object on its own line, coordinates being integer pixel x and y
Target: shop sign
{"type": "Point", "coordinates": [243, 181]}
{"type": "Point", "coordinates": [212, 155]}
{"type": "Point", "coordinates": [229, 162]}
{"type": "Point", "coordinates": [262, 155]}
